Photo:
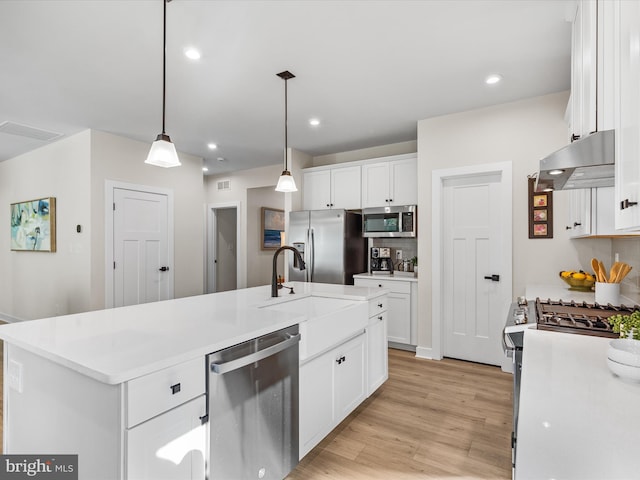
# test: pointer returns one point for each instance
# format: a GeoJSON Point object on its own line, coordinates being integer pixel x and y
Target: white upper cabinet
{"type": "Point", "coordinates": [627, 118]}
{"type": "Point", "coordinates": [391, 182]}
{"type": "Point", "coordinates": [592, 77]}
{"type": "Point", "coordinates": [332, 188]}
{"type": "Point", "coordinates": [579, 220]}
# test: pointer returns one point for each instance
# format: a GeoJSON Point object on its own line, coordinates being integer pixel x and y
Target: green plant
{"type": "Point", "coordinates": [626, 324]}
{"type": "Point", "coordinates": [414, 261]}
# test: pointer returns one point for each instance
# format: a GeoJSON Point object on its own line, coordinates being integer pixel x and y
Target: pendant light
{"type": "Point", "coordinates": [286, 182]}
{"type": "Point", "coordinates": [163, 151]}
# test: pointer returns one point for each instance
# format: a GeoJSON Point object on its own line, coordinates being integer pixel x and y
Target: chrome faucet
{"type": "Point", "coordinates": [274, 274]}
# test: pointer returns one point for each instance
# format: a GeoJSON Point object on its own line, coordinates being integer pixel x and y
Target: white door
{"type": "Point", "coordinates": [140, 247]}
{"type": "Point", "coordinates": [474, 266]}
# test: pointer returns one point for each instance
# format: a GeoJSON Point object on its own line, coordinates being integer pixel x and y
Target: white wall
{"type": "Point", "coordinates": [521, 132]}
{"type": "Point", "coordinates": [38, 284]}
{"type": "Point", "coordinates": [366, 153]}
{"type": "Point", "coordinates": [121, 159]}
{"type": "Point", "coordinates": [260, 261]}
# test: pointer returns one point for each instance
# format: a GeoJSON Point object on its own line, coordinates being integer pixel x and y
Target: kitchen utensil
{"type": "Point", "coordinates": [595, 265]}
{"type": "Point", "coordinates": [603, 271]}
{"type": "Point", "coordinates": [623, 272]}
{"type": "Point", "coordinates": [615, 270]}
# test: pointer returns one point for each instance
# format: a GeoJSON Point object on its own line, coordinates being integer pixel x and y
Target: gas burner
{"type": "Point", "coordinates": [578, 317]}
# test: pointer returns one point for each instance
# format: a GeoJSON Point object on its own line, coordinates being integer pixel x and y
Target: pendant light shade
{"type": "Point", "coordinates": [163, 152]}
{"type": "Point", "coordinates": [286, 183]}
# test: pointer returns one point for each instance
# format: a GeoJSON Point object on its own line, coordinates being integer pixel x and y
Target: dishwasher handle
{"type": "Point", "coordinates": [232, 365]}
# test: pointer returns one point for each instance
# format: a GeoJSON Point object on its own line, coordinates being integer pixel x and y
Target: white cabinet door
{"type": "Point", "coordinates": [169, 446]}
{"type": "Point", "coordinates": [317, 190]}
{"type": "Point", "coordinates": [627, 209]}
{"type": "Point", "coordinates": [404, 182]}
{"type": "Point", "coordinates": [349, 377]}
{"type": "Point", "coordinates": [399, 318]}
{"type": "Point", "coordinates": [606, 75]}
{"type": "Point", "coordinates": [316, 401]}
{"type": "Point", "coordinates": [579, 222]}
{"type": "Point", "coordinates": [375, 185]}
{"type": "Point", "coordinates": [345, 188]}
{"type": "Point", "coordinates": [589, 67]}
{"type": "Point", "coordinates": [377, 352]}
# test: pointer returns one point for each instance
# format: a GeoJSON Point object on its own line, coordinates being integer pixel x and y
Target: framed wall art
{"type": "Point", "coordinates": [33, 225]}
{"type": "Point", "coordinates": [540, 212]}
{"type": "Point", "coordinates": [272, 228]}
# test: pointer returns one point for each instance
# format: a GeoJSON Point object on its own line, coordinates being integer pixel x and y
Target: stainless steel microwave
{"type": "Point", "coordinates": [400, 221]}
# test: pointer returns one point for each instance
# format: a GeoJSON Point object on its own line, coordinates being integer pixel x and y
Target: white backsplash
{"type": "Point", "coordinates": [628, 250]}
{"type": "Point", "coordinates": [409, 247]}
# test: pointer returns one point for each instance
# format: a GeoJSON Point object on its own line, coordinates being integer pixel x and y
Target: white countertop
{"type": "Point", "coordinates": [403, 278]}
{"type": "Point", "coordinates": [119, 344]}
{"type": "Point", "coordinates": [577, 420]}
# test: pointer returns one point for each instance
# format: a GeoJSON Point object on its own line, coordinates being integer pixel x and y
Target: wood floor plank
{"type": "Point", "coordinates": [430, 420]}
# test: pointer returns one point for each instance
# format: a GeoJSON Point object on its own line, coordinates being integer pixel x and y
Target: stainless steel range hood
{"type": "Point", "coordinates": [585, 163]}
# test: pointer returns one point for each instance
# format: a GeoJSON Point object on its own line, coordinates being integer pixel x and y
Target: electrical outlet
{"type": "Point", "coordinates": [617, 257]}
{"type": "Point", "coordinates": [398, 254]}
{"type": "Point", "coordinates": [14, 373]}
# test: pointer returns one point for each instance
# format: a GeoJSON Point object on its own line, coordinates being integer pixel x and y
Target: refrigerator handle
{"type": "Point", "coordinates": [312, 256]}
{"type": "Point", "coordinates": [307, 256]}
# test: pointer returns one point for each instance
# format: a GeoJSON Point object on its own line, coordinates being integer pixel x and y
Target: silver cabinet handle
{"type": "Point", "coordinates": [225, 367]}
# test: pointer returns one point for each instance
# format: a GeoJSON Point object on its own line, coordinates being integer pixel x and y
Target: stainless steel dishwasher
{"type": "Point", "coordinates": [253, 408]}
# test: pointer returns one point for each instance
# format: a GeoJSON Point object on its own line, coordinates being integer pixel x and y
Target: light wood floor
{"type": "Point", "coordinates": [444, 419]}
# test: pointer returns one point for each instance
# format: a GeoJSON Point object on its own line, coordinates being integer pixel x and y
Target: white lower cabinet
{"type": "Point", "coordinates": [402, 306]}
{"type": "Point", "coordinates": [349, 376]}
{"type": "Point", "coordinates": [169, 446]}
{"type": "Point", "coordinates": [377, 352]}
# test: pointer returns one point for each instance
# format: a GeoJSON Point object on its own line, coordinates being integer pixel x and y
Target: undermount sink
{"type": "Point", "coordinates": [312, 307]}
{"type": "Point", "coordinates": [328, 321]}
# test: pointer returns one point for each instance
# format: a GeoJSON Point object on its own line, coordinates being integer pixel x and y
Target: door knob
{"type": "Point", "coordinates": [493, 278]}
{"type": "Point", "coordinates": [164, 269]}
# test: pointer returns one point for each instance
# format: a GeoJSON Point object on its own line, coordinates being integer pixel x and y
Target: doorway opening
{"type": "Point", "coordinates": [222, 247]}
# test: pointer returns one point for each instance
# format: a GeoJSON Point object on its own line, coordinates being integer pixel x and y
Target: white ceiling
{"type": "Point", "coordinates": [369, 70]}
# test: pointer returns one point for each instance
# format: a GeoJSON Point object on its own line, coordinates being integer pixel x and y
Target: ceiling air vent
{"type": "Point", "coordinates": [13, 128]}
{"type": "Point", "coordinates": [224, 185]}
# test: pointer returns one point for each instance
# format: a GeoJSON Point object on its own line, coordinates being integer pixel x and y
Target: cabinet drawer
{"type": "Point", "coordinates": [396, 286]}
{"type": "Point", "coordinates": [377, 305]}
{"type": "Point", "coordinates": [158, 392]}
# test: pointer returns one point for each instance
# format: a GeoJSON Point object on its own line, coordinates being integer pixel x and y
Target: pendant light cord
{"type": "Point", "coordinates": [286, 144]}
{"type": "Point", "coordinates": [164, 62]}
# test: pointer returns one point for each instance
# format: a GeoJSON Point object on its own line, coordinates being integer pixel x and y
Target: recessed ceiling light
{"type": "Point", "coordinates": [314, 122]}
{"type": "Point", "coordinates": [205, 169]}
{"type": "Point", "coordinates": [548, 189]}
{"type": "Point", "coordinates": [212, 146]}
{"type": "Point", "coordinates": [192, 54]}
{"type": "Point", "coordinates": [221, 159]}
{"type": "Point", "coordinates": [493, 79]}
{"type": "Point", "coordinates": [556, 172]}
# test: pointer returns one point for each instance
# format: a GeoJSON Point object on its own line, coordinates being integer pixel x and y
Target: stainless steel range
{"type": "Point", "coordinates": [560, 316]}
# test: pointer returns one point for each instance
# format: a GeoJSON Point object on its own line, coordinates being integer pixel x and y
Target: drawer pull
{"type": "Point", "coordinates": [341, 359]}
{"type": "Point", "coordinates": [175, 388]}
{"type": "Point", "coordinates": [380, 317]}
{"type": "Point", "coordinates": [380, 285]}
{"type": "Point", "coordinates": [380, 305]}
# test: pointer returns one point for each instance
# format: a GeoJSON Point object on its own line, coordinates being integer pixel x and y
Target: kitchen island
{"type": "Point", "coordinates": [577, 420]}
{"type": "Point", "coordinates": [93, 384]}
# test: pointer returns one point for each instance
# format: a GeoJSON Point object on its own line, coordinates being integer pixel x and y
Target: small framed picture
{"type": "Point", "coordinates": [540, 215]}
{"type": "Point", "coordinates": [540, 229]}
{"type": "Point", "coordinates": [272, 227]}
{"type": "Point", "coordinates": [540, 200]}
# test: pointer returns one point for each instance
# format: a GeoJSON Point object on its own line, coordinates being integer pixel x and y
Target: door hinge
{"type": "Point", "coordinates": [114, 265]}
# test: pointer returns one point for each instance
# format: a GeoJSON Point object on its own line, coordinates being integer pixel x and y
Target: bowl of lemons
{"type": "Point", "coordinates": [578, 280]}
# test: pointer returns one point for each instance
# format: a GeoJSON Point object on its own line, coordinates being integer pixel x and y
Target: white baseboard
{"type": "Point", "coordinates": [424, 352]}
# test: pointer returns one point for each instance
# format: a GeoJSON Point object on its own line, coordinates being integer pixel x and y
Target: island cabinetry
{"type": "Point", "coordinates": [392, 182]}
{"type": "Point", "coordinates": [377, 354]}
{"type": "Point", "coordinates": [328, 188]}
{"type": "Point", "coordinates": [402, 307]}
{"type": "Point", "coordinates": [118, 431]}
{"type": "Point", "coordinates": [332, 385]}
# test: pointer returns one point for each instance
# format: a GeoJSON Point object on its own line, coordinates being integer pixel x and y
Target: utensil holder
{"type": "Point", "coordinates": [608, 293]}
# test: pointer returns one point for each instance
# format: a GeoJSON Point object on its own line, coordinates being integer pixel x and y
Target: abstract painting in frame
{"type": "Point", "coordinates": [33, 225]}
{"type": "Point", "coordinates": [272, 228]}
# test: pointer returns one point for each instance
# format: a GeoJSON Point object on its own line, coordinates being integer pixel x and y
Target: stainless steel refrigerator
{"type": "Point", "coordinates": [331, 244]}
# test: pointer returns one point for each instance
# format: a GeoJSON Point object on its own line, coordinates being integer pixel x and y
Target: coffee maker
{"type": "Point", "coordinates": [381, 263]}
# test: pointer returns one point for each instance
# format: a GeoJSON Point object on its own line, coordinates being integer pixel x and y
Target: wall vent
{"type": "Point", "coordinates": [224, 185]}
{"type": "Point", "coordinates": [21, 130]}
